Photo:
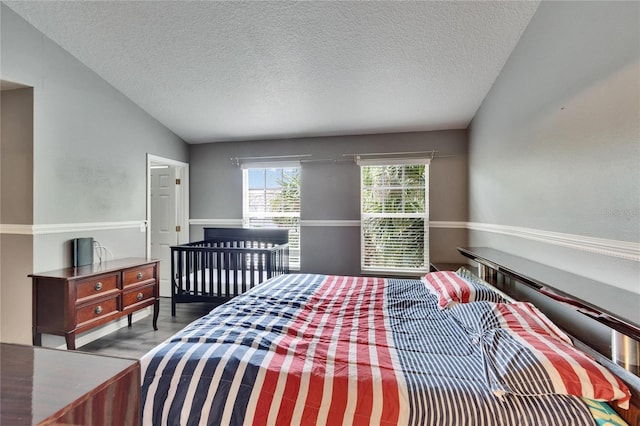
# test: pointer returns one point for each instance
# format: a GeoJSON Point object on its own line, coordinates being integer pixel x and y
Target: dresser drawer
{"type": "Point", "coordinates": [138, 275]}
{"type": "Point", "coordinates": [141, 294]}
{"type": "Point", "coordinates": [96, 286]}
{"type": "Point", "coordinates": [96, 310]}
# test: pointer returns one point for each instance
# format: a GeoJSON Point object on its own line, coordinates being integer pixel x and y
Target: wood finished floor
{"type": "Point", "coordinates": [137, 340]}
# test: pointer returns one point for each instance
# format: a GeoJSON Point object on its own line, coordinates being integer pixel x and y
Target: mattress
{"type": "Point", "coordinates": [317, 349]}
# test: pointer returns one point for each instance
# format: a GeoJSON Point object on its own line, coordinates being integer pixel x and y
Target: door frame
{"type": "Point", "coordinates": [182, 197]}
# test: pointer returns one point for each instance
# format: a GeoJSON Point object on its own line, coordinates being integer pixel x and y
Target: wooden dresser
{"type": "Point", "coordinates": [73, 300]}
{"type": "Point", "coordinates": [42, 386]}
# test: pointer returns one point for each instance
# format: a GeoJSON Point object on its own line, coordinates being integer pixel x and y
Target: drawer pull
{"type": "Point", "coordinates": [98, 310]}
{"type": "Point", "coordinates": [139, 276]}
{"type": "Point", "coordinates": [139, 296]}
{"type": "Point", "coordinates": [98, 286]}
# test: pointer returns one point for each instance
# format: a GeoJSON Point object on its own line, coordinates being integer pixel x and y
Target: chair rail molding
{"type": "Point", "coordinates": [615, 248]}
{"type": "Point", "coordinates": [13, 229]}
{"type": "Point", "coordinates": [444, 224]}
{"type": "Point", "coordinates": [329, 222]}
{"type": "Point", "coordinates": [62, 228]}
{"type": "Point", "coordinates": [215, 222]}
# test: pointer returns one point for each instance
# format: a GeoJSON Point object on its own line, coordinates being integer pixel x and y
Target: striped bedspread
{"type": "Point", "coordinates": [316, 349]}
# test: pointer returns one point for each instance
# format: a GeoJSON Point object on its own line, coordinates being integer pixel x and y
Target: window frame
{"type": "Point", "coordinates": [247, 215]}
{"type": "Point", "coordinates": [425, 215]}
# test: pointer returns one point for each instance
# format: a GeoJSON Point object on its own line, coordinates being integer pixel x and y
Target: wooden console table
{"type": "Point", "coordinates": [42, 386]}
{"type": "Point", "coordinates": [73, 300]}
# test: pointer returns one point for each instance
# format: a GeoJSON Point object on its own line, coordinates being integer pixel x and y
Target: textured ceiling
{"type": "Point", "coordinates": [223, 71]}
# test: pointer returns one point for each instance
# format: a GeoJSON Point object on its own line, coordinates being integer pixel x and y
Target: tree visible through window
{"type": "Point", "coordinates": [394, 217]}
{"type": "Point", "coordinates": [271, 199]}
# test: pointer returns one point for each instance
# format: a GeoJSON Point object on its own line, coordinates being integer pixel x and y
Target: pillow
{"type": "Point", "coordinates": [470, 276]}
{"type": "Point", "coordinates": [526, 354]}
{"type": "Point", "coordinates": [451, 289]}
{"type": "Point", "coordinates": [603, 414]}
{"type": "Point", "coordinates": [519, 317]}
{"type": "Point", "coordinates": [527, 363]}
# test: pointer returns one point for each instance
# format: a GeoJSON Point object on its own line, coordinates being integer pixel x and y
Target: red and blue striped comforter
{"type": "Point", "coordinates": [316, 349]}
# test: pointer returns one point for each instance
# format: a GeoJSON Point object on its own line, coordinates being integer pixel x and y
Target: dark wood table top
{"type": "Point", "coordinates": [36, 382]}
{"type": "Point", "coordinates": [96, 268]}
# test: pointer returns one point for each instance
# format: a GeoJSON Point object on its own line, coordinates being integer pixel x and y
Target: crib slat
{"type": "Point", "coordinates": [227, 265]}
{"type": "Point", "coordinates": [231, 269]}
{"type": "Point", "coordinates": [241, 266]}
{"type": "Point", "coordinates": [173, 281]}
{"type": "Point", "coordinates": [260, 265]}
{"type": "Point", "coordinates": [199, 282]}
{"type": "Point", "coordinates": [187, 285]}
{"type": "Point", "coordinates": [219, 268]}
{"type": "Point", "coordinates": [252, 271]}
{"type": "Point", "coordinates": [269, 266]}
{"type": "Point", "coordinates": [211, 266]}
{"type": "Point", "coordinates": [180, 275]}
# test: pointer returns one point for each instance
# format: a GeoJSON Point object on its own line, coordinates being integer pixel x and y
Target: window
{"type": "Point", "coordinates": [271, 199]}
{"type": "Point", "coordinates": [394, 215]}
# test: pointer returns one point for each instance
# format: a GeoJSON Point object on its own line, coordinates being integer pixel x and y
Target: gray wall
{"type": "Point", "coordinates": [555, 146]}
{"type": "Point", "coordinates": [16, 208]}
{"type": "Point", "coordinates": [90, 144]}
{"type": "Point", "coordinates": [90, 141]}
{"type": "Point", "coordinates": [331, 192]}
{"type": "Point", "coordinates": [16, 161]}
{"type": "Point", "coordinates": [15, 289]}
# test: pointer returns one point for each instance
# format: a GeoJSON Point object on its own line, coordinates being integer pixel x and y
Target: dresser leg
{"type": "Point", "coordinates": [156, 311]}
{"type": "Point", "coordinates": [71, 340]}
{"type": "Point", "coordinates": [129, 317]}
{"type": "Point", "coordinates": [37, 339]}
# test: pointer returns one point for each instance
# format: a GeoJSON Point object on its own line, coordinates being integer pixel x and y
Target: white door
{"type": "Point", "coordinates": [163, 222]}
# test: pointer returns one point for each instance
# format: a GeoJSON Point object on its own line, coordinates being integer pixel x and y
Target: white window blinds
{"type": "Point", "coordinates": [394, 215]}
{"type": "Point", "coordinates": [271, 199]}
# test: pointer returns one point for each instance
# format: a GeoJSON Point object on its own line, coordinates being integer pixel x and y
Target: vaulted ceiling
{"type": "Point", "coordinates": [224, 71]}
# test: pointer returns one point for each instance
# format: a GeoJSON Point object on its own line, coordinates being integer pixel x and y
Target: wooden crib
{"type": "Point", "coordinates": [228, 262]}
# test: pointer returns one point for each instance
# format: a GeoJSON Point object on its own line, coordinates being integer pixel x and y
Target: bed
{"type": "Point", "coordinates": [318, 349]}
{"type": "Point", "coordinates": [228, 262]}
